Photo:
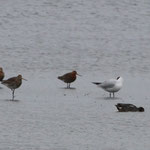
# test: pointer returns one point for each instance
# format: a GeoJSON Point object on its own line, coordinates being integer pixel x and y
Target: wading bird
{"type": "Point", "coordinates": [1, 74]}
{"type": "Point", "coordinates": [69, 77]}
{"type": "Point", "coordinates": [13, 83]}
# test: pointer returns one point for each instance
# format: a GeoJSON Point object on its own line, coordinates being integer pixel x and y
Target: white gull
{"type": "Point", "coordinates": [111, 85]}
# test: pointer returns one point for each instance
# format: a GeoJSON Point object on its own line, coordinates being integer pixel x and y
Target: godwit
{"type": "Point", "coordinates": [69, 77]}
{"type": "Point", "coordinates": [13, 83]}
{"type": "Point", "coordinates": [128, 107]}
{"type": "Point", "coordinates": [1, 74]}
{"type": "Point", "coordinates": [111, 86]}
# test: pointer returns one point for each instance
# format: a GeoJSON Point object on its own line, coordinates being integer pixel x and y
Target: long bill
{"type": "Point", "coordinates": [24, 79]}
{"type": "Point", "coordinates": [79, 75]}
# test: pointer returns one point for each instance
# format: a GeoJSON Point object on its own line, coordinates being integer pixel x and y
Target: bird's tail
{"type": "Point", "coordinates": [60, 77]}
{"type": "Point", "coordinates": [97, 83]}
{"type": "Point", "coordinates": [3, 82]}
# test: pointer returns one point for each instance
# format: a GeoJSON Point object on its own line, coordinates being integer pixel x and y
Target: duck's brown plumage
{"type": "Point", "coordinates": [1, 74]}
{"type": "Point", "coordinates": [128, 107]}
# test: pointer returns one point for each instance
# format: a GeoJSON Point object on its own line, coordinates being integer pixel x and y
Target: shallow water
{"type": "Point", "coordinates": [52, 35]}
{"type": "Point", "coordinates": [99, 39]}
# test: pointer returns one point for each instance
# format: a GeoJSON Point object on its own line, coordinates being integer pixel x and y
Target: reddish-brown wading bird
{"type": "Point", "coordinates": [69, 77]}
{"type": "Point", "coordinates": [13, 83]}
{"type": "Point", "coordinates": [1, 74]}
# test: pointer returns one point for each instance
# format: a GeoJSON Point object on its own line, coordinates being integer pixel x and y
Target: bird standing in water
{"type": "Point", "coordinates": [1, 74]}
{"type": "Point", "coordinates": [69, 77]}
{"type": "Point", "coordinates": [111, 86]}
{"type": "Point", "coordinates": [13, 83]}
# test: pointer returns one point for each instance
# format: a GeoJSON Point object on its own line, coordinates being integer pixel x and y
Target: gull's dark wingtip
{"type": "Point", "coordinates": [97, 83]}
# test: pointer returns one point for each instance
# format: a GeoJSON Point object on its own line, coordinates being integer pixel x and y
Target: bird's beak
{"type": "Point", "coordinates": [24, 79]}
{"type": "Point", "coordinates": [79, 75]}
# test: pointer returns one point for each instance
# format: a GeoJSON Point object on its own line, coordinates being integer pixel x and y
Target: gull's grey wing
{"type": "Point", "coordinates": [108, 84]}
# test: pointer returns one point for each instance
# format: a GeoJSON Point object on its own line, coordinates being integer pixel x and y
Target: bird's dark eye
{"type": "Point", "coordinates": [118, 78]}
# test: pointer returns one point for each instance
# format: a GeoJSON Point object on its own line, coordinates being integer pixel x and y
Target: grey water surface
{"type": "Point", "coordinates": [101, 39]}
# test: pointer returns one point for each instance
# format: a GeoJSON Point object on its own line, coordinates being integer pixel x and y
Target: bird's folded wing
{"type": "Point", "coordinates": [108, 84]}
{"type": "Point", "coordinates": [9, 81]}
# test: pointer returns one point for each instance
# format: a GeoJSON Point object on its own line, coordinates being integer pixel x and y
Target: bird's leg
{"type": "Point", "coordinates": [113, 94]}
{"type": "Point", "coordinates": [13, 91]}
{"type": "Point", "coordinates": [110, 94]}
{"type": "Point", "coordinates": [69, 85]}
